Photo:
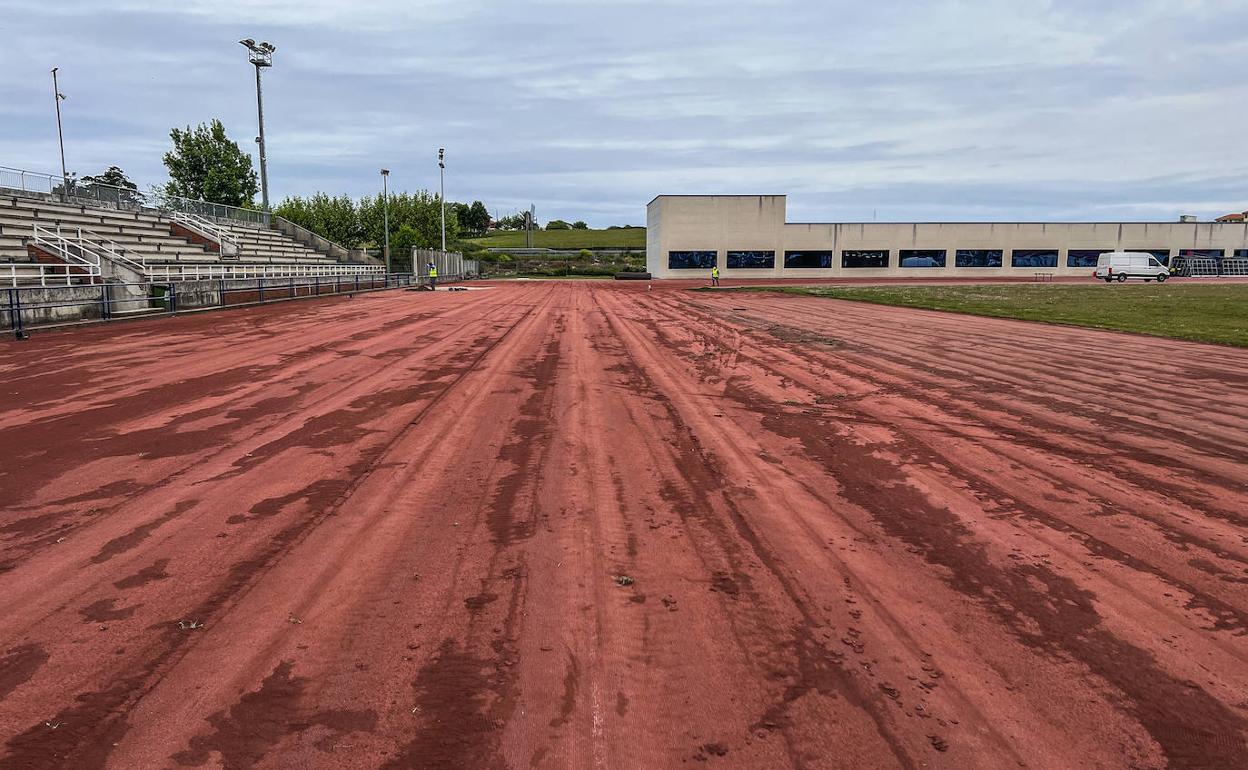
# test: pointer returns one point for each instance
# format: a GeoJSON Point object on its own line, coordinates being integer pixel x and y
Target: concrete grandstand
{"type": "Point", "coordinates": [96, 233]}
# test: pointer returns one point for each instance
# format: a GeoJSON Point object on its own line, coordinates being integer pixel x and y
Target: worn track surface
{"type": "Point", "coordinates": [583, 525]}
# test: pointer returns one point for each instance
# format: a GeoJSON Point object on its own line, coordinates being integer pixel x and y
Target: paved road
{"type": "Point", "coordinates": [585, 525]}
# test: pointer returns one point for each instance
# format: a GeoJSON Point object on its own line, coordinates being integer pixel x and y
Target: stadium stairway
{"type": "Point", "coordinates": [151, 244]}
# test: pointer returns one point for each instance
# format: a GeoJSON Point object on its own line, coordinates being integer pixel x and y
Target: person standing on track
{"type": "Point", "coordinates": [433, 277]}
{"type": "Point", "coordinates": [715, 275]}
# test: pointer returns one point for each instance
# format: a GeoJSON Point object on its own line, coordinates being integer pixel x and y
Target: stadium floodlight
{"type": "Point", "coordinates": [442, 191]}
{"type": "Point", "coordinates": [385, 219]}
{"type": "Point", "coordinates": [261, 55]}
{"type": "Point", "coordinates": [59, 97]}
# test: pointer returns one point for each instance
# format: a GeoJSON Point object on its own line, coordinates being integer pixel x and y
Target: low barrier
{"type": "Point", "coordinates": [25, 308]}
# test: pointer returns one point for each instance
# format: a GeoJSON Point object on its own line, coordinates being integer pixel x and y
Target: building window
{"type": "Point", "coordinates": [864, 259]}
{"type": "Point", "coordinates": [747, 260]}
{"type": "Point", "coordinates": [1206, 253]}
{"type": "Point", "coordinates": [1084, 257]}
{"type": "Point", "coordinates": [978, 258]}
{"type": "Point", "coordinates": [1033, 258]}
{"type": "Point", "coordinates": [691, 260]}
{"type": "Point", "coordinates": [921, 257]}
{"type": "Point", "coordinates": [809, 259]}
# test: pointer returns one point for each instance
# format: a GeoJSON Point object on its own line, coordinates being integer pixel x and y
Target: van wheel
{"type": "Point", "coordinates": [1122, 277]}
{"type": "Point", "coordinates": [1161, 277]}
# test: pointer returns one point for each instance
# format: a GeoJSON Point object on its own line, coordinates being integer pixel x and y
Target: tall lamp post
{"type": "Point", "coordinates": [385, 216]}
{"type": "Point", "coordinates": [261, 55]}
{"type": "Point", "coordinates": [56, 90]}
{"type": "Point", "coordinates": [442, 191]}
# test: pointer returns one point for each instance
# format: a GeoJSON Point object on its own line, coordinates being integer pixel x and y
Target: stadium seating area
{"type": "Point", "coordinates": [149, 239]}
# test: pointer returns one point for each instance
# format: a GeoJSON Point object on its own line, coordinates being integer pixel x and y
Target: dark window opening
{"type": "Point", "coordinates": [808, 259]}
{"type": "Point", "coordinates": [864, 259]}
{"type": "Point", "coordinates": [691, 260]}
{"type": "Point", "coordinates": [1161, 255]}
{"type": "Point", "coordinates": [1084, 257]}
{"type": "Point", "coordinates": [1206, 253]}
{"type": "Point", "coordinates": [742, 260]}
{"type": "Point", "coordinates": [922, 257]}
{"type": "Point", "coordinates": [1033, 258]}
{"type": "Point", "coordinates": [978, 258]}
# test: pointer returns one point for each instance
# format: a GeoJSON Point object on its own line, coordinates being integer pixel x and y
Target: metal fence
{"type": "Point", "coordinates": [33, 307]}
{"type": "Point", "coordinates": [34, 182]}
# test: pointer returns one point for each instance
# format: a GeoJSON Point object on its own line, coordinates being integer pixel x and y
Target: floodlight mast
{"type": "Point", "coordinates": [385, 217]}
{"type": "Point", "coordinates": [261, 55]}
{"type": "Point", "coordinates": [56, 90]}
{"type": "Point", "coordinates": [442, 191]}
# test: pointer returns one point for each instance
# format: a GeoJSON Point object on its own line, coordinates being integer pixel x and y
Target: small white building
{"type": "Point", "coordinates": [747, 237]}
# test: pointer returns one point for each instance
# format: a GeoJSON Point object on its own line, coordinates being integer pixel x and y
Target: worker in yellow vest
{"type": "Point", "coordinates": [433, 276]}
{"type": "Point", "coordinates": [715, 275]}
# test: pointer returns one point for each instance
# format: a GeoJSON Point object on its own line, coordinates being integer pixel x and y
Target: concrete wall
{"type": "Point", "coordinates": [757, 223]}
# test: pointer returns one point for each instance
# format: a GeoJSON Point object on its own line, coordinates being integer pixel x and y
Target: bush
{"type": "Point", "coordinates": [585, 254]}
{"type": "Point", "coordinates": [558, 224]}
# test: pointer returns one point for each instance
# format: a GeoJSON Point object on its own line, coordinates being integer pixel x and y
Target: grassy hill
{"type": "Point", "coordinates": [632, 238]}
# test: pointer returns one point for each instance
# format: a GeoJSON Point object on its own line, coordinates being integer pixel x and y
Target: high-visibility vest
{"type": "Point", "coordinates": [433, 272]}
{"type": "Point", "coordinates": [715, 272]}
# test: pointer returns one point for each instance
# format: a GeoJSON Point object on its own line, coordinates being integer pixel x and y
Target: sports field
{"type": "Point", "coordinates": [592, 525]}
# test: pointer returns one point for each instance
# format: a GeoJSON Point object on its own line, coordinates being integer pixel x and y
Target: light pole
{"type": "Point", "coordinates": [261, 55]}
{"type": "Point", "coordinates": [442, 191]}
{"type": "Point", "coordinates": [385, 216]}
{"type": "Point", "coordinates": [56, 90]}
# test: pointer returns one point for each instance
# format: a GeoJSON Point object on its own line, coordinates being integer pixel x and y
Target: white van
{"type": "Point", "coordinates": [1121, 265]}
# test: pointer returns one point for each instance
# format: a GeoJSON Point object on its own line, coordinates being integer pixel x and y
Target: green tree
{"type": "Point", "coordinates": [401, 245]}
{"type": "Point", "coordinates": [205, 164]}
{"type": "Point", "coordinates": [421, 211]}
{"type": "Point", "coordinates": [579, 225]}
{"type": "Point", "coordinates": [558, 224]}
{"type": "Point", "coordinates": [478, 219]}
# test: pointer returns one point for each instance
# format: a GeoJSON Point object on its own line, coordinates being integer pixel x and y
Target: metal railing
{"type": "Point", "coordinates": [226, 242]}
{"type": "Point", "coordinates": [31, 307]}
{"type": "Point", "coordinates": [74, 189]}
{"type": "Point", "coordinates": [75, 251]}
{"type": "Point", "coordinates": [201, 272]}
{"type": "Point", "coordinates": [32, 274]}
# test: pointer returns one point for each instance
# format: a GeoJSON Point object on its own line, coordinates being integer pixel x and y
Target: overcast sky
{"type": "Point", "coordinates": [958, 110]}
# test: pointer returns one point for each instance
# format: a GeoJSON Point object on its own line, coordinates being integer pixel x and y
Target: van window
{"type": "Point", "coordinates": [1152, 262]}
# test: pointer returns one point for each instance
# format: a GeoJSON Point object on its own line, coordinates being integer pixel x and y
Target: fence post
{"type": "Point", "coordinates": [15, 313]}
{"type": "Point", "coordinates": [316, 282]}
{"type": "Point", "coordinates": [221, 295]}
{"type": "Point", "coordinates": [292, 287]}
{"type": "Point", "coordinates": [105, 302]}
{"type": "Point", "coordinates": [357, 281]}
{"type": "Point", "coordinates": [260, 288]}
{"type": "Point", "coordinates": [173, 297]}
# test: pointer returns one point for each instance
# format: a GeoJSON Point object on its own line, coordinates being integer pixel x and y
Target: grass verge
{"type": "Point", "coordinates": [1189, 311]}
{"type": "Point", "coordinates": [630, 238]}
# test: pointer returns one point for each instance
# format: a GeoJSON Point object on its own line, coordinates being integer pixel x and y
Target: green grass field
{"type": "Point", "coordinates": [1190, 311]}
{"type": "Point", "coordinates": [632, 238]}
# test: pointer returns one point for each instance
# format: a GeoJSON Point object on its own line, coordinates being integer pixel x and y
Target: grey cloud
{"type": "Point", "coordinates": [954, 110]}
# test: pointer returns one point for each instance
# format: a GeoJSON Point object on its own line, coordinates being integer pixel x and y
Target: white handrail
{"type": "Point", "coordinates": [210, 229]}
{"type": "Point", "coordinates": [64, 248]}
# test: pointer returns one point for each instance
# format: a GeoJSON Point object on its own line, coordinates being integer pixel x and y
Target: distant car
{"type": "Point", "coordinates": [1121, 265]}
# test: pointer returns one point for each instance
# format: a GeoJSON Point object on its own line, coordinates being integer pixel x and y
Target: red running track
{"type": "Point", "coordinates": [584, 525]}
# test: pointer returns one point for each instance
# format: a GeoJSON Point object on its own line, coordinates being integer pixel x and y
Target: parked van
{"type": "Point", "coordinates": [1121, 265]}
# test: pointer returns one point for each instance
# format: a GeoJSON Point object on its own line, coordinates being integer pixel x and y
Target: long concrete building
{"type": "Point", "coordinates": [748, 236]}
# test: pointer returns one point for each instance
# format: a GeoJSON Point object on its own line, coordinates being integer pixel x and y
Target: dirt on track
{"type": "Point", "coordinates": [584, 525]}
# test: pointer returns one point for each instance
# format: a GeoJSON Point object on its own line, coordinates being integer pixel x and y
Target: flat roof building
{"type": "Point", "coordinates": [748, 236]}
